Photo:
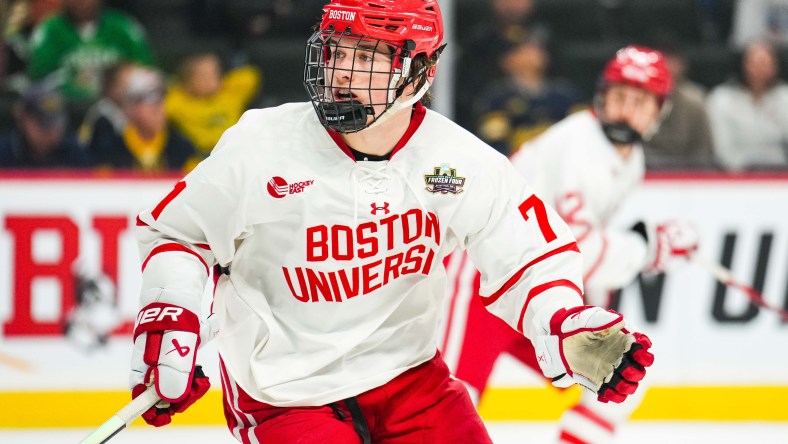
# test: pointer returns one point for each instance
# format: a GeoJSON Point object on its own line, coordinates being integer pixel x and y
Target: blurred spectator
{"type": "Point", "coordinates": [511, 20]}
{"type": "Point", "coordinates": [106, 115]}
{"type": "Point", "coordinates": [526, 102]}
{"type": "Point", "coordinates": [76, 46]}
{"type": "Point", "coordinates": [21, 17]}
{"type": "Point", "coordinates": [40, 138]}
{"type": "Point", "coordinates": [683, 140]}
{"type": "Point", "coordinates": [760, 19]}
{"type": "Point", "coordinates": [749, 114]}
{"type": "Point", "coordinates": [147, 144]}
{"type": "Point", "coordinates": [204, 102]}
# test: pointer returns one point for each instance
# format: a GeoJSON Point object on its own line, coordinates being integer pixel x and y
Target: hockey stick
{"type": "Point", "coordinates": [124, 417]}
{"type": "Point", "coordinates": [15, 363]}
{"type": "Point", "coordinates": [725, 276]}
{"type": "Point", "coordinates": [143, 402]}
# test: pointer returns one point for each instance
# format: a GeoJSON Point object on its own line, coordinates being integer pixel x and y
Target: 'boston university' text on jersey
{"type": "Point", "coordinates": [343, 271]}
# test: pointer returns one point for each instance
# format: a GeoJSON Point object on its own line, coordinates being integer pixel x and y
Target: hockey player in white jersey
{"type": "Point", "coordinates": [584, 166]}
{"type": "Point", "coordinates": [330, 221]}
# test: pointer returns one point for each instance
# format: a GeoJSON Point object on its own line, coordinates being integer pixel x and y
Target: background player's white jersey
{"type": "Point", "coordinates": [576, 169]}
{"type": "Point", "coordinates": [336, 278]}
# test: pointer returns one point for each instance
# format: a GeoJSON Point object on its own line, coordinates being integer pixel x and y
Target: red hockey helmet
{"type": "Point", "coordinates": [391, 21]}
{"type": "Point", "coordinates": [404, 29]}
{"type": "Point", "coordinates": [639, 66]}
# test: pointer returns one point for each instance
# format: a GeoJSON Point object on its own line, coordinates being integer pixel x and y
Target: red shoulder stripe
{"type": "Point", "coordinates": [172, 247]}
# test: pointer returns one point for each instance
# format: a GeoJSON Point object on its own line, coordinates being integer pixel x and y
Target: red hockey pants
{"type": "Point", "coordinates": [423, 405]}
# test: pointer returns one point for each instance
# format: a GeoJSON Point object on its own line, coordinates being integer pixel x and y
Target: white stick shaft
{"type": "Point", "coordinates": [124, 417]}
{"type": "Point", "coordinates": [721, 273]}
{"type": "Point", "coordinates": [146, 400]}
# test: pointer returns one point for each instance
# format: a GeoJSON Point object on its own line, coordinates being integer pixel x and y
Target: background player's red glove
{"type": "Point", "coordinates": [590, 346]}
{"type": "Point", "coordinates": [166, 339]}
{"type": "Point", "coordinates": [668, 241]}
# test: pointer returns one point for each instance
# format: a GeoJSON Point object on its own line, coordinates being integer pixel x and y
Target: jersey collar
{"type": "Point", "coordinates": [419, 111]}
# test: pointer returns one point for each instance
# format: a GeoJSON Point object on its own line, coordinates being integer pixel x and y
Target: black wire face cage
{"type": "Point", "coordinates": [346, 92]}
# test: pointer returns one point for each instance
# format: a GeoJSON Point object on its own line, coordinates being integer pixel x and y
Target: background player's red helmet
{"type": "Point", "coordinates": [405, 29]}
{"type": "Point", "coordinates": [639, 66]}
{"type": "Point", "coordinates": [392, 21]}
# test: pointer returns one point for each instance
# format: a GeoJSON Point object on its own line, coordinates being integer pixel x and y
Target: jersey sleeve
{"type": "Point", "coordinates": [612, 256]}
{"type": "Point", "coordinates": [195, 226]}
{"type": "Point", "coordinates": [529, 261]}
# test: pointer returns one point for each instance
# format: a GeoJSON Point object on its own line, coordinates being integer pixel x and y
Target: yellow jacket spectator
{"type": "Point", "coordinates": [203, 104]}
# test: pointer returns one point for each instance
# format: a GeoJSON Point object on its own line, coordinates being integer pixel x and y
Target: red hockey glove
{"type": "Point", "coordinates": [668, 241]}
{"type": "Point", "coordinates": [166, 338]}
{"type": "Point", "coordinates": [590, 346]}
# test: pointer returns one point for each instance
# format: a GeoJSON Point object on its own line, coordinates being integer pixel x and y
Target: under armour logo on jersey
{"type": "Point", "coordinates": [182, 350]}
{"type": "Point", "coordinates": [375, 208]}
{"type": "Point", "coordinates": [540, 358]}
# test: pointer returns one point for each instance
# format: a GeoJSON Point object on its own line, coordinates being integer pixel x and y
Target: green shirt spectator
{"type": "Point", "coordinates": [77, 45]}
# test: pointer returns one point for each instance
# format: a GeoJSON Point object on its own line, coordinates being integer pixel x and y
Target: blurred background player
{"type": "Point", "coordinates": [585, 166]}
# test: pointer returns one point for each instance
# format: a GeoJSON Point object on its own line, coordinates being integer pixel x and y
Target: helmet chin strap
{"type": "Point", "coordinates": [400, 104]}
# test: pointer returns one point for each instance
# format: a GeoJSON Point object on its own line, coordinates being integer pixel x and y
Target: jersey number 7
{"type": "Point", "coordinates": [537, 205]}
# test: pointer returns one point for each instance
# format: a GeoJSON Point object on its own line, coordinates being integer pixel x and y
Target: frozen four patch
{"type": "Point", "coordinates": [444, 180]}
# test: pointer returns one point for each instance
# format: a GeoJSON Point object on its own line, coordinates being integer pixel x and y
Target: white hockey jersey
{"type": "Point", "coordinates": [576, 169]}
{"type": "Point", "coordinates": [336, 279]}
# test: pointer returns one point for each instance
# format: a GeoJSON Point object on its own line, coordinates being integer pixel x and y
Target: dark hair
{"type": "Point", "coordinates": [740, 76]}
{"type": "Point", "coordinates": [422, 64]}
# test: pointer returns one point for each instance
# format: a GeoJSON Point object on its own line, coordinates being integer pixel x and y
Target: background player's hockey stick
{"type": "Point", "coordinates": [725, 276]}
{"type": "Point", "coordinates": [141, 403]}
